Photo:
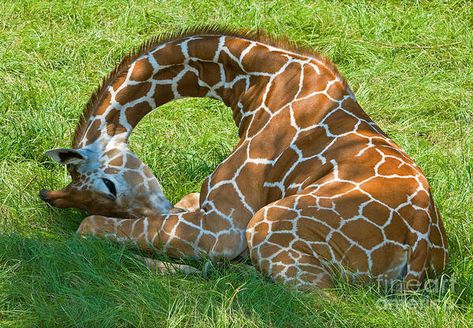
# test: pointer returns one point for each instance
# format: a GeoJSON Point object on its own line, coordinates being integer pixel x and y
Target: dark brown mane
{"type": "Point", "coordinates": [122, 67]}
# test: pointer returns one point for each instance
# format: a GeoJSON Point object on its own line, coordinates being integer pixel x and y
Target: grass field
{"type": "Point", "coordinates": [410, 65]}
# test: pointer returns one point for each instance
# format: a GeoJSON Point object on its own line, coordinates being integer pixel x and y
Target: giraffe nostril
{"type": "Point", "coordinates": [43, 194]}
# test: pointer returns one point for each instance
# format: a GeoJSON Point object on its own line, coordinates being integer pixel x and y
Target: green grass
{"type": "Point", "coordinates": [410, 65]}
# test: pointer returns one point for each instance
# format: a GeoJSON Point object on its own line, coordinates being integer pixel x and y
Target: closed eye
{"type": "Point", "coordinates": [111, 187]}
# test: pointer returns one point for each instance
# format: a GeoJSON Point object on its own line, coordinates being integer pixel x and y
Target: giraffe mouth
{"type": "Point", "coordinates": [47, 196]}
{"type": "Point", "coordinates": [54, 198]}
{"type": "Point", "coordinates": [43, 194]}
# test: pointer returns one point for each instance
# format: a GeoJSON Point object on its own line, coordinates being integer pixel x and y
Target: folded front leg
{"type": "Point", "coordinates": [142, 233]}
{"type": "Point", "coordinates": [185, 234]}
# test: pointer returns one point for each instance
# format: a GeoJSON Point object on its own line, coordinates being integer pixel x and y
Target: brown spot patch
{"type": "Point", "coordinates": [376, 212]}
{"type": "Point", "coordinates": [104, 103]}
{"type": "Point", "coordinates": [385, 258]}
{"type": "Point", "coordinates": [135, 114]}
{"type": "Point", "coordinates": [356, 259]}
{"type": "Point", "coordinates": [225, 196]}
{"type": "Point", "coordinates": [188, 86]}
{"type": "Point", "coordinates": [169, 73]}
{"type": "Point", "coordinates": [256, 122]}
{"type": "Point", "coordinates": [132, 92]}
{"type": "Point", "coordinates": [327, 216]}
{"type": "Point", "coordinates": [313, 142]}
{"type": "Point", "coordinates": [133, 178]}
{"type": "Point", "coordinates": [396, 230]}
{"type": "Point", "coordinates": [236, 45]}
{"type": "Point", "coordinates": [313, 82]}
{"type": "Point", "coordinates": [110, 170]}
{"type": "Point", "coordinates": [282, 239]}
{"type": "Point", "coordinates": [283, 257]}
{"type": "Point", "coordinates": [348, 205]}
{"type": "Point", "coordinates": [340, 122]}
{"type": "Point", "coordinates": [267, 250]}
{"type": "Point", "coordinates": [390, 191]}
{"type": "Point", "coordinates": [394, 166]}
{"type": "Point", "coordinates": [282, 225]}
{"type": "Point", "coordinates": [217, 225]}
{"type": "Point", "coordinates": [142, 70]}
{"type": "Point", "coordinates": [171, 54]}
{"type": "Point", "coordinates": [163, 94]}
{"type": "Point", "coordinates": [207, 241]}
{"type": "Point", "coordinates": [333, 188]}
{"type": "Point", "coordinates": [353, 107]}
{"type": "Point", "coordinates": [208, 72]}
{"type": "Point", "coordinates": [276, 214]}
{"type": "Point", "coordinates": [311, 230]}
{"type": "Point", "coordinates": [337, 90]}
{"type": "Point", "coordinates": [284, 87]}
{"type": "Point", "coordinates": [280, 136]}
{"type": "Point", "coordinates": [357, 168]}
{"type": "Point", "coordinates": [260, 59]}
{"type": "Point", "coordinates": [204, 49]}
{"type": "Point", "coordinates": [310, 111]}
{"type": "Point", "coordinates": [260, 234]}
{"type": "Point", "coordinates": [250, 184]}
{"type": "Point", "coordinates": [363, 233]}
{"type": "Point", "coordinates": [132, 162]}
{"type": "Point", "coordinates": [438, 259]}
{"type": "Point", "coordinates": [115, 128]}
{"type": "Point", "coordinates": [291, 272]}
{"type": "Point", "coordinates": [421, 199]}
{"type": "Point", "coordinates": [263, 265]}
{"type": "Point", "coordinates": [187, 232]}
{"type": "Point", "coordinates": [302, 246]}
{"type": "Point", "coordinates": [435, 236]}
{"type": "Point", "coordinates": [118, 82]}
{"type": "Point", "coordinates": [322, 250]}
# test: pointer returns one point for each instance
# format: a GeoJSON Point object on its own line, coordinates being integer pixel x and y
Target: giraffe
{"type": "Point", "coordinates": [313, 188]}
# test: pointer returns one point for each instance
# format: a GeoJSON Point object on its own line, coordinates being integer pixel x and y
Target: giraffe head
{"type": "Point", "coordinates": [111, 183]}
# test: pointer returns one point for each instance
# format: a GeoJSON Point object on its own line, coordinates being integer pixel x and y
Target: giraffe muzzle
{"type": "Point", "coordinates": [54, 198]}
{"type": "Point", "coordinates": [43, 194]}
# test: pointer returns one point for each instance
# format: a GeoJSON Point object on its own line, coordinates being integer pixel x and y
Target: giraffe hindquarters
{"type": "Point", "coordinates": [300, 240]}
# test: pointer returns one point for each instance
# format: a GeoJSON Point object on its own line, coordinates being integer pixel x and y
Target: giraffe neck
{"type": "Point", "coordinates": [191, 67]}
{"type": "Point", "coordinates": [234, 70]}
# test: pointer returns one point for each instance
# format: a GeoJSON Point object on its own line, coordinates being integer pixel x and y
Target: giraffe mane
{"type": "Point", "coordinates": [252, 35]}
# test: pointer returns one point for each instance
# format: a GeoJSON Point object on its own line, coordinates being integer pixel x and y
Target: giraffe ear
{"type": "Point", "coordinates": [66, 156]}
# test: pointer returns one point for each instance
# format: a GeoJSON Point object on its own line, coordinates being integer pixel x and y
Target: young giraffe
{"type": "Point", "coordinates": [312, 189]}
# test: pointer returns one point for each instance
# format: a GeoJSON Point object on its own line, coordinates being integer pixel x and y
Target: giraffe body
{"type": "Point", "coordinates": [313, 188]}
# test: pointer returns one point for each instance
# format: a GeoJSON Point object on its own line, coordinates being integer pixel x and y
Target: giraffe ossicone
{"type": "Point", "coordinates": [312, 189]}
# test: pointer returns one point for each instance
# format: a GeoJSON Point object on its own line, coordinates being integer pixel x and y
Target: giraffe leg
{"type": "Point", "coordinates": [280, 253]}
{"type": "Point", "coordinates": [106, 227]}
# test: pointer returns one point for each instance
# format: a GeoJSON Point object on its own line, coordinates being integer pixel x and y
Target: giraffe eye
{"type": "Point", "coordinates": [111, 187]}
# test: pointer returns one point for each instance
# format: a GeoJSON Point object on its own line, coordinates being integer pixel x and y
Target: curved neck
{"type": "Point", "coordinates": [198, 66]}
